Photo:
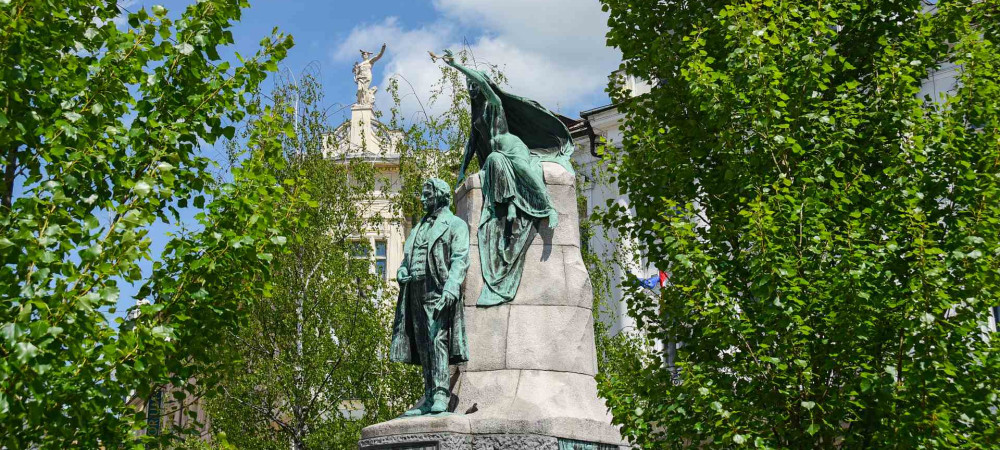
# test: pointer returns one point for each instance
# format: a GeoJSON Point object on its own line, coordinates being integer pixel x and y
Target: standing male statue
{"type": "Point", "coordinates": [363, 76]}
{"type": "Point", "coordinates": [429, 328]}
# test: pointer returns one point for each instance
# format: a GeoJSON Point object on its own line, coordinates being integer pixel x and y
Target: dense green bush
{"type": "Point", "coordinates": [833, 236]}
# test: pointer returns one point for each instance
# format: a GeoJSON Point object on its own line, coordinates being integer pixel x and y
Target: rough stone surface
{"type": "Point", "coordinates": [562, 235]}
{"type": "Point", "coordinates": [450, 423]}
{"type": "Point", "coordinates": [579, 288]}
{"type": "Point", "coordinates": [491, 334]}
{"type": "Point", "coordinates": [484, 389]}
{"type": "Point", "coordinates": [557, 175]}
{"type": "Point", "coordinates": [473, 277]}
{"type": "Point", "coordinates": [535, 401]}
{"type": "Point", "coordinates": [554, 275]}
{"type": "Point", "coordinates": [564, 199]}
{"type": "Point", "coordinates": [560, 395]}
{"type": "Point", "coordinates": [468, 203]}
{"type": "Point", "coordinates": [509, 441]}
{"type": "Point", "coordinates": [424, 441]}
{"type": "Point", "coordinates": [448, 441]}
{"type": "Point", "coordinates": [559, 338]}
{"type": "Point", "coordinates": [543, 281]}
{"type": "Point", "coordinates": [529, 380]}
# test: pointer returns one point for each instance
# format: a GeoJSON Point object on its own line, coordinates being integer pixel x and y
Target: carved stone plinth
{"type": "Point", "coordinates": [529, 382]}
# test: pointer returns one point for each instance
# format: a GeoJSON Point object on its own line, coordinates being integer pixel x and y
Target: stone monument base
{"type": "Point", "coordinates": [458, 441]}
{"type": "Point", "coordinates": [460, 432]}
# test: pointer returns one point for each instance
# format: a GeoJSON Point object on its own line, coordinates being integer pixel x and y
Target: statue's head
{"type": "Point", "coordinates": [435, 194]}
{"type": "Point", "coordinates": [365, 55]}
{"type": "Point", "coordinates": [474, 90]}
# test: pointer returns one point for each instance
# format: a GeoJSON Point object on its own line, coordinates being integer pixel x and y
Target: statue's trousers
{"type": "Point", "coordinates": [431, 336]}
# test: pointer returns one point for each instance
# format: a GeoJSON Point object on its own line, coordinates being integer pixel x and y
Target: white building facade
{"type": "Point", "coordinates": [364, 138]}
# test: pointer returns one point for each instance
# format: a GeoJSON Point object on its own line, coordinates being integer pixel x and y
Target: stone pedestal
{"type": "Point", "coordinates": [529, 382]}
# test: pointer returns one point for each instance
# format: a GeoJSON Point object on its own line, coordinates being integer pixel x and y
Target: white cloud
{"type": "Point", "coordinates": [552, 51]}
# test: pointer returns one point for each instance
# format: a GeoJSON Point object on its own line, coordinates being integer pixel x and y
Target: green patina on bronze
{"type": "Point", "coordinates": [429, 328]}
{"type": "Point", "coordinates": [510, 137]}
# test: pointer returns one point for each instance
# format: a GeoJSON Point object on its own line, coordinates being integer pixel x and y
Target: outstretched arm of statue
{"type": "Point", "coordinates": [379, 55]}
{"type": "Point", "coordinates": [474, 76]}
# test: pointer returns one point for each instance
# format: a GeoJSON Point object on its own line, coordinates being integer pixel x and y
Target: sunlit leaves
{"type": "Point", "coordinates": [100, 122]}
{"type": "Point", "coordinates": [831, 233]}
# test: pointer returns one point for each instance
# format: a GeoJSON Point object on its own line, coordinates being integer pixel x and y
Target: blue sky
{"type": "Point", "coordinates": [552, 51]}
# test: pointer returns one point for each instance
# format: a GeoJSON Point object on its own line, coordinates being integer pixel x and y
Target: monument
{"type": "Point", "coordinates": [528, 382]}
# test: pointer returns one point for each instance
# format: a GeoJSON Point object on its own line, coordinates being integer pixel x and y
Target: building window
{"type": "Point", "coordinates": [363, 250]}
{"type": "Point", "coordinates": [359, 250]}
{"type": "Point", "coordinates": [380, 264]}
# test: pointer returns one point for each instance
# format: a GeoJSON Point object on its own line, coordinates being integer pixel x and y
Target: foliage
{"type": "Point", "coordinates": [313, 353]}
{"type": "Point", "coordinates": [100, 126]}
{"type": "Point", "coordinates": [621, 354]}
{"type": "Point", "coordinates": [832, 234]}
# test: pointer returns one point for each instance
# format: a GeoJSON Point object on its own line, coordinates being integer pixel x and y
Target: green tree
{"type": "Point", "coordinates": [832, 234]}
{"type": "Point", "coordinates": [310, 362]}
{"type": "Point", "coordinates": [100, 126]}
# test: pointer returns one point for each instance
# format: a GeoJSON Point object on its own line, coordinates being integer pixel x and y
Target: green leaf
{"type": "Point", "coordinates": [92, 252]}
{"type": "Point", "coordinates": [24, 352]}
{"type": "Point", "coordinates": [184, 48]}
{"type": "Point", "coordinates": [91, 222]}
{"type": "Point", "coordinates": [162, 332]}
{"type": "Point", "coordinates": [142, 188]}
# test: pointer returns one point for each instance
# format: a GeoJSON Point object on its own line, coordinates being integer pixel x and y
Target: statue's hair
{"type": "Point", "coordinates": [440, 188]}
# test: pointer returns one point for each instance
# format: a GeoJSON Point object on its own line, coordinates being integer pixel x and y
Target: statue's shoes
{"type": "Point", "coordinates": [440, 405]}
{"type": "Point", "coordinates": [414, 412]}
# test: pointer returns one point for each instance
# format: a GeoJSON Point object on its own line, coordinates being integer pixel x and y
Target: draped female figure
{"type": "Point", "coordinates": [510, 137]}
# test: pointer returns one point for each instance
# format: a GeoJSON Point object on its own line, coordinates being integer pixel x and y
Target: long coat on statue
{"type": "Point", "coordinates": [447, 262]}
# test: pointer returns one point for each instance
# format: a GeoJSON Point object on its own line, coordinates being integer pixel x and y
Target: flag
{"type": "Point", "coordinates": [649, 283]}
{"type": "Point", "coordinates": [660, 279]}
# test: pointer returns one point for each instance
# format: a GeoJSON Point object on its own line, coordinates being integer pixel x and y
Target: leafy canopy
{"type": "Point", "coordinates": [832, 233]}
{"type": "Point", "coordinates": [100, 126]}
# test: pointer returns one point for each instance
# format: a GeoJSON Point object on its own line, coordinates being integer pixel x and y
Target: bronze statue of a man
{"type": "Point", "coordinates": [429, 328]}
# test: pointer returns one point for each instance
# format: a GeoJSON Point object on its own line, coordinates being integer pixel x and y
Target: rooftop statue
{"type": "Point", "coordinates": [429, 329]}
{"type": "Point", "coordinates": [363, 76]}
{"type": "Point", "coordinates": [510, 137]}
